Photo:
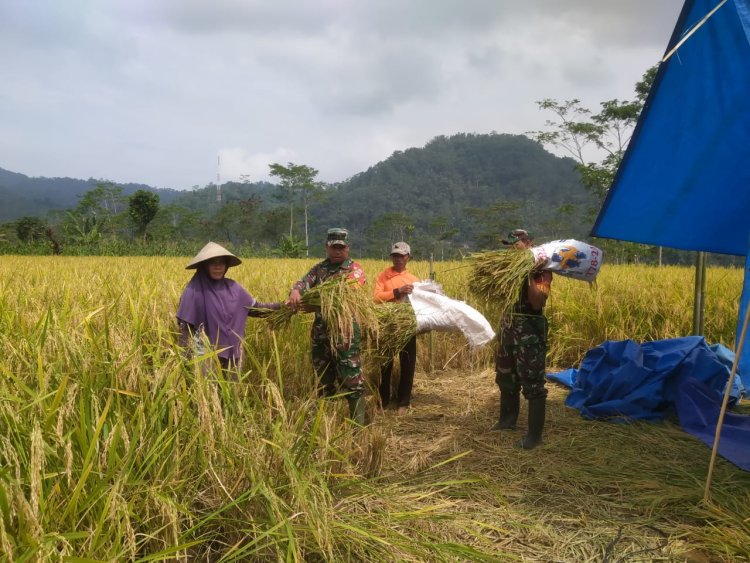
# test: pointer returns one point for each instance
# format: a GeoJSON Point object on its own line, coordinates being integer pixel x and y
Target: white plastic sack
{"type": "Point", "coordinates": [435, 311]}
{"type": "Point", "coordinates": [571, 258]}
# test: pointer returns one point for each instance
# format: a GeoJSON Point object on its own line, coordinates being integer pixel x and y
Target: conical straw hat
{"type": "Point", "coordinates": [213, 250]}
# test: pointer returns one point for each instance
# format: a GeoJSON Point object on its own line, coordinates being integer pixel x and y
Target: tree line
{"type": "Point", "coordinates": [456, 195]}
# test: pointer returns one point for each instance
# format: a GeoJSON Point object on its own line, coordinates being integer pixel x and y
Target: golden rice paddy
{"type": "Point", "coordinates": [113, 447]}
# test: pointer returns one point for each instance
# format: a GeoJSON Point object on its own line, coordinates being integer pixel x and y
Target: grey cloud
{"type": "Point", "coordinates": [150, 90]}
{"type": "Point", "coordinates": [219, 16]}
{"type": "Point", "coordinates": [634, 21]}
{"type": "Point", "coordinates": [389, 77]}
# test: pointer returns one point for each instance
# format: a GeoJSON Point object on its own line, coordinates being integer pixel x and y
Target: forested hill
{"type": "Point", "coordinates": [455, 194]}
{"type": "Point", "coordinates": [26, 196]}
{"type": "Point", "coordinates": [460, 190]}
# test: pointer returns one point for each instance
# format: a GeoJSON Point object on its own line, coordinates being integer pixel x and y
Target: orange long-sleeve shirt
{"type": "Point", "coordinates": [388, 280]}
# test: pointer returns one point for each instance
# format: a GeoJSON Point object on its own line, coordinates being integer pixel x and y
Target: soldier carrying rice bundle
{"type": "Point", "coordinates": [336, 328]}
{"type": "Point", "coordinates": [518, 280]}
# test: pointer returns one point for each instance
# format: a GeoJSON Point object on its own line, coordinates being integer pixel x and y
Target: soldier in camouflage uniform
{"type": "Point", "coordinates": [520, 361]}
{"type": "Point", "coordinates": [344, 364]}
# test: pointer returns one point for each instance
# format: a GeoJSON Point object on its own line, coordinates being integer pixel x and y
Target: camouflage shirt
{"type": "Point", "coordinates": [325, 270]}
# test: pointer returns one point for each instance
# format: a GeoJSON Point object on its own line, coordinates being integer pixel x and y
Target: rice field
{"type": "Point", "coordinates": [113, 447]}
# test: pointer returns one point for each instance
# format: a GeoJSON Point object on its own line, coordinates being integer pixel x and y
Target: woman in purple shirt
{"type": "Point", "coordinates": [215, 306]}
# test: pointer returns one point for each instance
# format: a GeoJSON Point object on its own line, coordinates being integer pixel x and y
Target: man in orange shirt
{"type": "Point", "coordinates": [394, 284]}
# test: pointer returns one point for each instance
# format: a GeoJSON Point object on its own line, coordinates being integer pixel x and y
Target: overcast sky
{"type": "Point", "coordinates": [152, 91]}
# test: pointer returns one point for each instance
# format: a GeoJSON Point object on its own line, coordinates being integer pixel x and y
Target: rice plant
{"type": "Point", "coordinates": [498, 276]}
{"type": "Point", "coordinates": [397, 323]}
{"type": "Point", "coordinates": [341, 302]}
{"type": "Point", "coordinates": [114, 447]}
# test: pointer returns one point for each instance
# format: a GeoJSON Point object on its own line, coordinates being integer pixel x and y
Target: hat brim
{"type": "Point", "coordinates": [232, 261]}
{"type": "Point", "coordinates": [213, 250]}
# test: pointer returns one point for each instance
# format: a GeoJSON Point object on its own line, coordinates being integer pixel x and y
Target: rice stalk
{"type": "Point", "coordinates": [68, 462]}
{"type": "Point", "coordinates": [5, 548]}
{"type": "Point", "coordinates": [498, 276]}
{"type": "Point", "coordinates": [289, 481]}
{"type": "Point", "coordinates": [343, 304]}
{"type": "Point", "coordinates": [36, 469]}
{"type": "Point", "coordinates": [397, 324]}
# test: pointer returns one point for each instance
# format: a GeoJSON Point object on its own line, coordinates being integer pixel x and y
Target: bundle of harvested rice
{"type": "Point", "coordinates": [397, 324]}
{"type": "Point", "coordinates": [498, 276]}
{"type": "Point", "coordinates": [341, 302]}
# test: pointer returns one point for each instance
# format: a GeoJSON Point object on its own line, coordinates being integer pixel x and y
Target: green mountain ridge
{"type": "Point", "coordinates": [456, 193]}
{"type": "Point", "coordinates": [477, 185]}
{"type": "Point", "coordinates": [36, 196]}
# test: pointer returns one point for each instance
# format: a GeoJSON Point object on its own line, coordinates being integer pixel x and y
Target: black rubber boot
{"type": "Point", "coordinates": [510, 403]}
{"type": "Point", "coordinates": [533, 437]}
{"type": "Point", "coordinates": [357, 410]}
{"type": "Point", "coordinates": [385, 384]}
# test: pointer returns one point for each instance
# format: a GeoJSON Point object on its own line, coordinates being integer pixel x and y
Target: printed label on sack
{"type": "Point", "coordinates": [571, 258]}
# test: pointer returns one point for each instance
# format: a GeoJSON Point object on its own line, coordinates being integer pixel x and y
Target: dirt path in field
{"type": "Point", "coordinates": [451, 414]}
{"type": "Point", "coordinates": [538, 503]}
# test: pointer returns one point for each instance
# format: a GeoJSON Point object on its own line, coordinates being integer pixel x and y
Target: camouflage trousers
{"type": "Point", "coordinates": [520, 360]}
{"type": "Point", "coordinates": [337, 361]}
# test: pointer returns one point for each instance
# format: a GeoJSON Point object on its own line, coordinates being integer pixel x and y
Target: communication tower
{"type": "Point", "coordinates": [218, 178]}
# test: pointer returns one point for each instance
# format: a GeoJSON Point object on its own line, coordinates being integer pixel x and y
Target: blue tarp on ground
{"type": "Point", "coordinates": [698, 408]}
{"type": "Point", "coordinates": [623, 381]}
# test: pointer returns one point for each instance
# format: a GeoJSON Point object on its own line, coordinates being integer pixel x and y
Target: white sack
{"type": "Point", "coordinates": [435, 311]}
{"type": "Point", "coordinates": [571, 258]}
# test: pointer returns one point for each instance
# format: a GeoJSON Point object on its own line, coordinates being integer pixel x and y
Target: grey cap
{"type": "Point", "coordinates": [400, 248]}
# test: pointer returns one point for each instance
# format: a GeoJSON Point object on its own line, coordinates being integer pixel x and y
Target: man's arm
{"type": "Point", "coordinates": [539, 289]}
{"type": "Point", "coordinates": [301, 286]}
{"type": "Point", "coordinates": [357, 273]}
{"type": "Point", "coordinates": [381, 294]}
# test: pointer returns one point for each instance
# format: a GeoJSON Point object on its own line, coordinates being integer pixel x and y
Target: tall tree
{"type": "Point", "coordinates": [297, 182]}
{"type": "Point", "coordinates": [235, 220]}
{"type": "Point", "coordinates": [495, 220]}
{"type": "Point", "coordinates": [576, 130]}
{"type": "Point", "coordinates": [391, 227]}
{"type": "Point", "coordinates": [30, 229]}
{"type": "Point", "coordinates": [142, 208]}
{"type": "Point", "coordinates": [94, 215]}
{"type": "Point", "coordinates": [104, 199]}
{"type": "Point", "coordinates": [442, 232]}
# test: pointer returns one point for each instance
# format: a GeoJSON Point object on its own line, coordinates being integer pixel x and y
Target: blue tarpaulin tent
{"type": "Point", "coordinates": [685, 179]}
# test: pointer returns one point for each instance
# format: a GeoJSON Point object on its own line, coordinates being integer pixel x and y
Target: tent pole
{"type": "Point", "coordinates": [431, 340]}
{"type": "Point", "coordinates": [724, 403]}
{"type": "Point", "coordinates": [704, 277]}
{"type": "Point", "coordinates": [693, 30]}
{"type": "Point", "coordinates": [699, 293]}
